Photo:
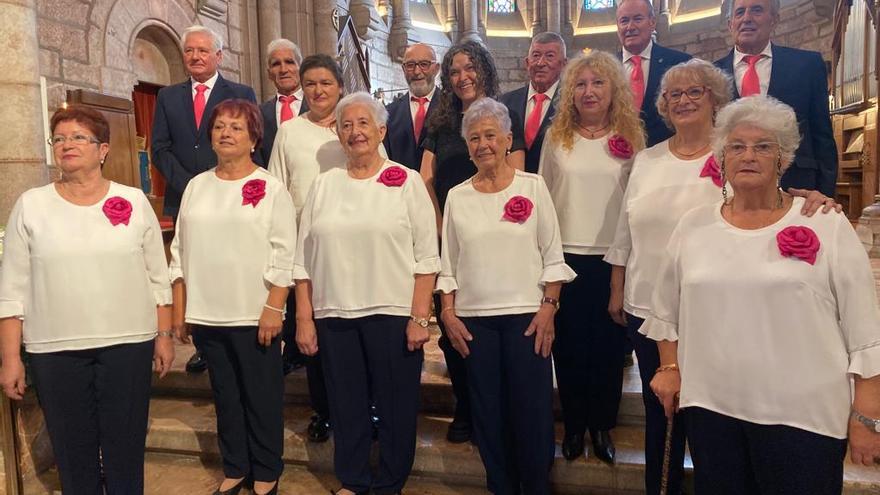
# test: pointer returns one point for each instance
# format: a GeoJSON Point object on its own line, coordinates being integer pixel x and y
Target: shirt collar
{"type": "Point", "coordinates": [646, 53]}
{"type": "Point", "coordinates": [738, 56]}
{"type": "Point", "coordinates": [298, 94]}
{"type": "Point", "coordinates": [209, 83]}
{"type": "Point", "coordinates": [551, 91]}
{"type": "Point", "coordinates": [429, 96]}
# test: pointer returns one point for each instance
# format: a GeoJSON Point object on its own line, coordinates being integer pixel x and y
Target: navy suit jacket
{"type": "Point", "coordinates": [516, 101]}
{"type": "Point", "coordinates": [798, 79]}
{"type": "Point", "coordinates": [662, 59]}
{"type": "Point", "coordinates": [400, 141]}
{"type": "Point", "coordinates": [179, 150]}
{"type": "Point", "coordinates": [270, 126]}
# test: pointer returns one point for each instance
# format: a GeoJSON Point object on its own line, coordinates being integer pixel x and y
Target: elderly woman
{"type": "Point", "coordinates": [500, 319]}
{"type": "Point", "coordinates": [89, 346]}
{"type": "Point", "coordinates": [596, 119]}
{"type": "Point", "coordinates": [365, 266]}
{"type": "Point", "coordinates": [231, 267]}
{"type": "Point", "coordinates": [766, 394]}
{"type": "Point", "coordinates": [467, 74]}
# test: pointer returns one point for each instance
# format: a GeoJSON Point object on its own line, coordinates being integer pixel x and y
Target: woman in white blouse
{"type": "Point", "coordinates": [502, 270]}
{"type": "Point", "coordinates": [231, 267]}
{"type": "Point", "coordinates": [365, 266]}
{"type": "Point", "coordinates": [84, 285]}
{"type": "Point", "coordinates": [764, 318]}
{"type": "Point", "coordinates": [585, 162]}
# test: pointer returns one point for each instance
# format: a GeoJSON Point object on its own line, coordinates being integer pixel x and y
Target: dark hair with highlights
{"type": "Point", "coordinates": [87, 117]}
{"type": "Point", "coordinates": [448, 112]}
{"type": "Point", "coordinates": [238, 107]}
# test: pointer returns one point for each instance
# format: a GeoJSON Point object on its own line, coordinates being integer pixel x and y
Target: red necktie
{"type": "Point", "coordinates": [199, 103]}
{"type": "Point", "coordinates": [534, 121]}
{"type": "Point", "coordinates": [286, 110]}
{"type": "Point", "coordinates": [637, 81]}
{"type": "Point", "coordinates": [419, 122]}
{"type": "Point", "coordinates": [751, 85]}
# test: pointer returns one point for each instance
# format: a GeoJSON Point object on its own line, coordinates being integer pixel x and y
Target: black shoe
{"type": "Point", "coordinates": [459, 431]}
{"type": "Point", "coordinates": [628, 361]}
{"type": "Point", "coordinates": [232, 491]}
{"type": "Point", "coordinates": [374, 421]}
{"type": "Point", "coordinates": [319, 429]}
{"type": "Point", "coordinates": [197, 363]}
{"type": "Point", "coordinates": [573, 446]}
{"type": "Point", "coordinates": [603, 446]}
{"type": "Point", "coordinates": [291, 365]}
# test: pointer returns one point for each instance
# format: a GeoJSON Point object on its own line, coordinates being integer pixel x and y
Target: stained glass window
{"type": "Point", "coordinates": [503, 6]}
{"type": "Point", "coordinates": [598, 4]}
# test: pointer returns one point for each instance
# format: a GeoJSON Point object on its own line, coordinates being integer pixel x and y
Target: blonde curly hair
{"type": "Point", "coordinates": [624, 118]}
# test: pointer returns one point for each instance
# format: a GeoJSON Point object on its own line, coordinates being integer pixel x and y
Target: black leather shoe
{"type": "Point", "coordinates": [291, 365]}
{"type": "Point", "coordinates": [603, 446]}
{"type": "Point", "coordinates": [628, 361]}
{"type": "Point", "coordinates": [459, 431]}
{"type": "Point", "coordinates": [572, 446]}
{"type": "Point", "coordinates": [234, 490]}
{"type": "Point", "coordinates": [319, 429]}
{"type": "Point", "coordinates": [197, 363]}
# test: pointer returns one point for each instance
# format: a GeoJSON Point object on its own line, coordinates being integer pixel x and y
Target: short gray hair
{"type": "Point", "coordinates": [283, 44]}
{"type": "Point", "coordinates": [774, 8]}
{"type": "Point", "coordinates": [216, 39]}
{"type": "Point", "coordinates": [377, 110]}
{"type": "Point", "coordinates": [486, 108]}
{"type": "Point", "coordinates": [549, 37]}
{"type": "Point", "coordinates": [719, 83]}
{"type": "Point", "coordinates": [763, 112]}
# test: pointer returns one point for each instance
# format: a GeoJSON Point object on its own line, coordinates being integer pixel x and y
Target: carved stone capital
{"type": "Point", "coordinates": [215, 9]}
{"type": "Point", "coordinates": [366, 18]}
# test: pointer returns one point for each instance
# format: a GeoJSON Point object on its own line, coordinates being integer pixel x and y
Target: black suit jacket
{"type": "Point", "coordinates": [516, 101]}
{"type": "Point", "coordinates": [662, 59]}
{"type": "Point", "coordinates": [178, 149]}
{"type": "Point", "coordinates": [798, 79]}
{"type": "Point", "coordinates": [270, 126]}
{"type": "Point", "coordinates": [400, 141]}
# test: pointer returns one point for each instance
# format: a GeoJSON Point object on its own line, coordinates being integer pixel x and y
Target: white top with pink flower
{"type": "Point", "coordinates": [363, 241]}
{"type": "Point", "coordinates": [499, 249]}
{"type": "Point", "coordinates": [234, 239]}
{"type": "Point", "coordinates": [83, 277]}
{"type": "Point", "coordinates": [769, 322]}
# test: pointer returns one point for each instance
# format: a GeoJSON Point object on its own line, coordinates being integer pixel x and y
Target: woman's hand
{"type": "Point", "coordinates": [457, 334]}
{"type": "Point", "coordinates": [544, 330]}
{"type": "Point", "coordinates": [163, 354]}
{"type": "Point", "coordinates": [416, 336]}
{"type": "Point", "coordinates": [181, 330]}
{"type": "Point", "coordinates": [269, 326]}
{"type": "Point", "coordinates": [813, 200]}
{"type": "Point", "coordinates": [666, 386]}
{"type": "Point", "coordinates": [306, 336]}
{"type": "Point", "coordinates": [864, 444]}
{"type": "Point", "coordinates": [12, 378]}
{"type": "Point", "coordinates": [615, 306]}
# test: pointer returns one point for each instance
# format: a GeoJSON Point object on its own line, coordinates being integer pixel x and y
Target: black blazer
{"type": "Point", "coordinates": [798, 79]}
{"type": "Point", "coordinates": [270, 126]}
{"type": "Point", "coordinates": [178, 149]}
{"type": "Point", "coordinates": [400, 141]}
{"type": "Point", "coordinates": [662, 59]}
{"type": "Point", "coordinates": [516, 101]}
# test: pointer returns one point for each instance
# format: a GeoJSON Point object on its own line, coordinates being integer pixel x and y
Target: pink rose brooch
{"type": "Point", "coordinates": [252, 192]}
{"type": "Point", "coordinates": [798, 242]}
{"type": "Point", "coordinates": [710, 169]}
{"type": "Point", "coordinates": [518, 209]}
{"type": "Point", "coordinates": [117, 210]}
{"type": "Point", "coordinates": [393, 176]}
{"type": "Point", "coordinates": [620, 147]}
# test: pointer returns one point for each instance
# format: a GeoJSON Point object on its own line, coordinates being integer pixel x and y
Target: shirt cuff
{"type": "Point", "coordinates": [162, 296]}
{"type": "Point", "coordinates": [558, 272]}
{"type": "Point", "coordinates": [279, 277]}
{"type": "Point", "coordinates": [11, 308]}
{"type": "Point", "coordinates": [656, 329]}
{"type": "Point", "coordinates": [174, 272]}
{"type": "Point", "coordinates": [300, 273]}
{"type": "Point", "coordinates": [616, 256]}
{"type": "Point", "coordinates": [446, 284]}
{"type": "Point", "coordinates": [428, 266]}
{"type": "Point", "coordinates": [864, 362]}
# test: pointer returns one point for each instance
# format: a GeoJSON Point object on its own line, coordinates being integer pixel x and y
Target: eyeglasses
{"type": "Point", "coordinates": [422, 64]}
{"type": "Point", "coordinates": [77, 139]}
{"type": "Point", "coordinates": [766, 148]}
{"type": "Point", "coordinates": [693, 94]}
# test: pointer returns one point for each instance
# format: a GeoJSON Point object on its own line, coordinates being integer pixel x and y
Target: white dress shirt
{"type": "Point", "coordinates": [209, 83]}
{"type": "Point", "coordinates": [646, 63]}
{"type": "Point", "coordinates": [762, 337]}
{"type": "Point", "coordinates": [763, 68]}
{"type": "Point", "coordinates": [78, 281]}
{"type": "Point", "coordinates": [414, 105]}
{"type": "Point", "coordinates": [229, 254]}
{"type": "Point", "coordinates": [587, 193]}
{"type": "Point", "coordinates": [362, 243]}
{"type": "Point", "coordinates": [530, 103]}
{"type": "Point", "coordinates": [495, 266]}
{"type": "Point", "coordinates": [661, 189]}
{"type": "Point", "coordinates": [296, 105]}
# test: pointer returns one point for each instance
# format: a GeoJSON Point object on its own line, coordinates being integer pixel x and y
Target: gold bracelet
{"type": "Point", "coordinates": [667, 367]}
{"type": "Point", "coordinates": [165, 333]}
{"type": "Point", "coordinates": [273, 308]}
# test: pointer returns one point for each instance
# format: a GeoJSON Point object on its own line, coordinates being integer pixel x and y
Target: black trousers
{"type": "Point", "coordinates": [655, 418]}
{"type": "Point", "coordinates": [247, 382]}
{"type": "Point", "coordinates": [96, 403]}
{"type": "Point", "coordinates": [458, 374]}
{"type": "Point", "coordinates": [736, 457]}
{"type": "Point", "coordinates": [364, 356]}
{"type": "Point", "coordinates": [589, 348]}
{"type": "Point", "coordinates": [314, 371]}
{"type": "Point", "coordinates": [512, 397]}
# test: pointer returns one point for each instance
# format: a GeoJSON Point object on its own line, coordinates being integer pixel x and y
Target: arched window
{"type": "Point", "coordinates": [501, 6]}
{"type": "Point", "coordinates": [598, 4]}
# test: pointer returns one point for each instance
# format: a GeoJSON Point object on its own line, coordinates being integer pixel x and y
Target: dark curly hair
{"type": "Point", "coordinates": [448, 112]}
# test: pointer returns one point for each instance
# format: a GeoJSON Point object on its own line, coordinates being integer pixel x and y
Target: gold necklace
{"type": "Point", "coordinates": [690, 155]}
{"type": "Point", "coordinates": [593, 133]}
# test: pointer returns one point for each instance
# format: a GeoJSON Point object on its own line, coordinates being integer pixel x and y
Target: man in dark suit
{"type": "Point", "coordinates": [181, 142]}
{"type": "Point", "coordinates": [283, 69]}
{"type": "Point", "coordinates": [645, 63]}
{"type": "Point", "coordinates": [535, 103]}
{"type": "Point", "coordinates": [794, 77]}
{"type": "Point", "coordinates": [408, 114]}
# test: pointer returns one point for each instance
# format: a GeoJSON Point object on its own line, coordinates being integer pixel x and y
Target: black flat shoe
{"type": "Point", "coordinates": [291, 365]}
{"type": "Point", "coordinates": [197, 363]}
{"type": "Point", "coordinates": [459, 431]}
{"type": "Point", "coordinates": [319, 429]}
{"type": "Point", "coordinates": [232, 491]}
{"type": "Point", "coordinates": [572, 446]}
{"type": "Point", "coordinates": [603, 446]}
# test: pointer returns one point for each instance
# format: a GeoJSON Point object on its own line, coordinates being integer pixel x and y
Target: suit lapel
{"type": "Point", "coordinates": [186, 102]}
{"type": "Point", "coordinates": [407, 121]}
{"type": "Point", "coordinates": [727, 66]}
{"type": "Point", "coordinates": [776, 57]}
{"type": "Point", "coordinates": [431, 106]}
{"type": "Point", "coordinates": [550, 111]}
{"type": "Point", "coordinates": [304, 107]}
{"type": "Point", "coordinates": [655, 70]}
{"type": "Point", "coordinates": [270, 118]}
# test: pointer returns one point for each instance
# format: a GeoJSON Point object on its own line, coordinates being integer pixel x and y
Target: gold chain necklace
{"type": "Point", "coordinates": [691, 155]}
{"type": "Point", "coordinates": [597, 131]}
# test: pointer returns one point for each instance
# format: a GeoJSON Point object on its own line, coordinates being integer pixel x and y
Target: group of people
{"type": "Point", "coordinates": [616, 200]}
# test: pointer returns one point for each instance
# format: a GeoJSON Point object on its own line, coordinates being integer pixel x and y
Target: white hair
{"type": "Point", "coordinates": [283, 44]}
{"type": "Point", "coordinates": [216, 39]}
{"type": "Point", "coordinates": [763, 112]}
{"type": "Point", "coordinates": [486, 108]}
{"type": "Point", "coordinates": [380, 115]}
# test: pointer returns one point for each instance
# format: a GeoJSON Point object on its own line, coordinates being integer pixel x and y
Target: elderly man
{"type": "Point", "coordinates": [795, 77]}
{"type": "Point", "coordinates": [645, 62]}
{"type": "Point", "coordinates": [181, 142]}
{"type": "Point", "coordinates": [535, 103]}
{"type": "Point", "coordinates": [282, 67]}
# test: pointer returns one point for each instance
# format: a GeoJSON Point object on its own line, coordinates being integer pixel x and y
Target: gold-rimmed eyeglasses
{"type": "Point", "coordinates": [765, 148]}
{"type": "Point", "coordinates": [693, 93]}
{"type": "Point", "coordinates": [77, 139]}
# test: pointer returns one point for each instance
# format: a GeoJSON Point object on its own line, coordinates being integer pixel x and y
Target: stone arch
{"type": "Point", "coordinates": [155, 54]}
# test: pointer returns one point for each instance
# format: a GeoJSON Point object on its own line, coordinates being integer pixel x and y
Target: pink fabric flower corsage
{"type": "Point", "coordinates": [798, 242]}
{"type": "Point", "coordinates": [117, 210]}
{"type": "Point", "coordinates": [710, 169]}
{"type": "Point", "coordinates": [252, 192]}
{"type": "Point", "coordinates": [518, 209]}
{"type": "Point", "coordinates": [620, 147]}
{"type": "Point", "coordinates": [393, 176]}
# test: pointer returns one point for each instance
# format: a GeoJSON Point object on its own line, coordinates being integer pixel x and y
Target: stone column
{"type": "Point", "coordinates": [402, 32]}
{"type": "Point", "coordinates": [452, 20]}
{"type": "Point", "coordinates": [269, 12]}
{"type": "Point", "coordinates": [536, 17]}
{"type": "Point", "coordinates": [554, 16]}
{"type": "Point", "coordinates": [297, 24]}
{"type": "Point", "coordinates": [325, 32]}
{"type": "Point", "coordinates": [470, 29]}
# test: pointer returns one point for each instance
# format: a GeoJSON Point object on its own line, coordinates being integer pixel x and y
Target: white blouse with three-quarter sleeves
{"type": "Point", "coordinates": [362, 242]}
{"type": "Point", "coordinates": [497, 265]}
{"type": "Point", "coordinates": [78, 281]}
{"type": "Point", "coordinates": [764, 337]}
{"type": "Point", "coordinates": [661, 189]}
{"type": "Point", "coordinates": [587, 184]}
{"type": "Point", "coordinates": [230, 252]}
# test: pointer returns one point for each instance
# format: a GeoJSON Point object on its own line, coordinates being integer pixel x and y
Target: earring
{"type": "Point", "coordinates": [252, 150]}
{"type": "Point", "coordinates": [724, 196]}
{"type": "Point", "coordinates": [102, 160]}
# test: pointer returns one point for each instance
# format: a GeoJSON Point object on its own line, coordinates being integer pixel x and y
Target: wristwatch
{"type": "Point", "coordinates": [551, 300]}
{"type": "Point", "coordinates": [872, 424]}
{"type": "Point", "coordinates": [422, 322]}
